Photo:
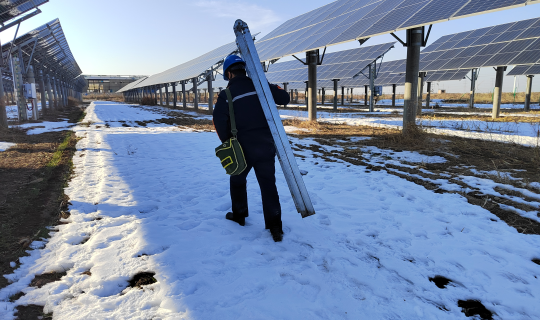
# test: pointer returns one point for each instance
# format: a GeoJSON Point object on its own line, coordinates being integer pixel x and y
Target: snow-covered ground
{"type": "Point", "coordinates": [46, 126]}
{"type": "Point", "coordinates": [6, 145]}
{"type": "Point", "coordinates": [153, 199]}
{"type": "Point", "coordinates": [515, 132]}
{"type": "Point", "coordinates": [399, 102]}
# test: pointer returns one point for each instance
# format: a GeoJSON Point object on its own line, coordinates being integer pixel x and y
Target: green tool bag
{"type": "Point", "coordinates": [230, 152]}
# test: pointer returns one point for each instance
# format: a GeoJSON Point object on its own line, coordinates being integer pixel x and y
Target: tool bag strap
{"type": "Point", "coordinates": [231, 112]}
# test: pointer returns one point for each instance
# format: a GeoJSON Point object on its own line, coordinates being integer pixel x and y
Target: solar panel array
{"type": "Point", "coordinates": [51, 52]}
{"type": "Point", "coordinates": [190, 69]}
{"type": "Point", "coordinates": [391, 72]}
{"type": "Point", "coordinates": [347, 20]}
{"type": "Point", "coordinates": [501, 45]}
{"type": "Point", "coordinates": [10, 9]}
{"type": "Point", "coordinates": [337, 65]}
{"type": "Point", "coordinates": [525, 70]}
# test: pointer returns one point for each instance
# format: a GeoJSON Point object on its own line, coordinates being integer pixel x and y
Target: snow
{"type": "Point", "coordinates": [510, 132]}
{"type": "Point", "coordinates": [45, 126]}
{"type": "Point", "coordinates": [368, 253]}
{"type": "Point", "coordinates": [399, 102]}
{"type": "Point", "coordinates": [6, 145]}
{"type": "Point", "coordinates": [407, 156]}
{"type": "Point", "coordinates": [293, 129]}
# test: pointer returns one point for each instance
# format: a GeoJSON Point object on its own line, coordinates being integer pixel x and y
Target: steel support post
{"type": "Point", "coordinates": [285, 86]}
{"type": "Point", "coordinates": [428, 95]}
{"type": "Point", "coordinates": [421, 77]}
{"type": "Point", "coordinates": [49, 92]}
{"type": "Point", "coordinates": [160, 95]}
{"type": "Point", "coordinates": [3, 113]}
{"type": "Point", "coordinates": [366, 89]}
{"type": "Point", "coordinates": [209, 79]}
{"type": "Point", "coordinates": [291, 94]}
{"type": "Point", "coordinates": [306, 98]}
{"type": "Point", "coordinates": [312, 60]}
{"type": "Point", "coordinates": [296, 93]}
{"type": "Point", "coordinates": [415, 39]}
{"type": "Point", "coordinates": [342, 96]}
{"type": "Point", "coordinates": [32, 81]}
{"type": "Point", "coordinates": [18, 89]}
{"type": "Point", "coordinates": [195, 94]}
{"type": "Point", "coordinates": [348, 94]}
{"type": "Point", "coordinates": [44, 108]}
{"type": "Point", "coordinates": [64, 93]}
{"type": "Point", "coordinates": [58, 88]}
{"type": "Point", "coordinates": [175, 95]}
{"type": "Point", "coordinates": [394, 95]}
{"type": "Point", "coordinates": [56, 95]}
{"type": "Point", "coordinates": [323, 96]}
{"type": "Point", "coordinates": [335, 93]}
{"type": "Point", "coordinates": [497, 93]}
{"type": "Point", "coordinates": [372, 75]}
{"type": "Point", "coordinates": [527, 106]}
{"type": "Point", "coordinates": [167, 95]}
{"type": "Point", "coordinates": [184, 101]}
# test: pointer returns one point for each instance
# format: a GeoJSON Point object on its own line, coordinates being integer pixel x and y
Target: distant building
{"type": "Point", "coordinates": [108, 84]}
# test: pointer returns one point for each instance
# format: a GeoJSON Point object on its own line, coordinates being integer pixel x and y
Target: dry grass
{"type": "Point", "coordinates": [105, 97]}
{"type": "Point", "coordinates": [148, 101]}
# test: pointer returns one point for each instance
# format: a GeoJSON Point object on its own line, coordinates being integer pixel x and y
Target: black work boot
{"type": "Point", "coordinates": [276, 229]}
{"type": "Point", "coordinates": [277, 234]}
{"type": "Point", "coordinates": [240, 220]}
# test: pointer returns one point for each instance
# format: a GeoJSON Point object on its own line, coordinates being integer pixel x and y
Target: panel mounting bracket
{"type": "Point", "coordinates": [320, 58]}
{"type": "Point", "coordinates": [362, 41]}
{"type": "Point", "coordinates": [304, 63]}
{"type": "Point", "coordinates": [427, 35]}
{"type": "Point", "coordinates": [398, 39]}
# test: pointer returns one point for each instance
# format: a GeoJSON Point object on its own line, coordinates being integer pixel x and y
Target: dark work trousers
{"type": "Point", "coordinates": [265, 172]}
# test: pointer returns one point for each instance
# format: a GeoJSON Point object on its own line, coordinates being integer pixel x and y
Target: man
{"type": "Point", "coordinates": [256, 140]}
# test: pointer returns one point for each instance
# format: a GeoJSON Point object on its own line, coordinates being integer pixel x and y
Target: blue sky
{"type": "Point", "coordinates": [146, 37]}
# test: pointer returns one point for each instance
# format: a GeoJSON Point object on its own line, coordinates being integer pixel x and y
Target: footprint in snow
{"type": "Point", "coordinates": [188, 225]}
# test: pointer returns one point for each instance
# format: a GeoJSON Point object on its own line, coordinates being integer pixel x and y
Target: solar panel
{"type": "Point", "coordinates": [131, 85]}
{"type": "Point", "coordinates": [13, 8]}
{"type": "Point", "coordinates": [502, 45]}
{"type": "Point", "coordinates": [337, 65]}
{"type": "Point", "coordinates": [525, 70]}
{"type": "Point", "coordinates": [348, 20]}
{"type": "Point", "coordinates": [190, 69]}
{"type": "Point", "coordinates": [51, 50]}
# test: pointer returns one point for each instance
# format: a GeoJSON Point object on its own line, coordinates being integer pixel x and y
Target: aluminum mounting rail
{"type": "Point", "coordinates": [247, 49]}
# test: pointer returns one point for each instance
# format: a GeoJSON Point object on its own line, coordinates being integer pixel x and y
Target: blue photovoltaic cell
{"type": "Point", "coordinates": [434, 11]}
{"type": "Point", "coordinates": [500, 46]}
{"type": "Point", "coordinates": [534, 69]}
{"type": "Point", "coordinates": [476, 6]}
{"type": "Point", "coordinates": [519, 71]}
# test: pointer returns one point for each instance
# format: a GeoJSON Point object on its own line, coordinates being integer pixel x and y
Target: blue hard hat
{"type": "Point", "coordinates": [229, 61]}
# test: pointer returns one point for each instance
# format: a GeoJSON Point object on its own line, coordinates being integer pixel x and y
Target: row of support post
{"type": "Point", "coordinates": [53, 89]}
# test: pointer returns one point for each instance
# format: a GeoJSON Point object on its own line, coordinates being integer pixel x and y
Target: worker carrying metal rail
{"type": "Point", "coordinates": [256, 140]}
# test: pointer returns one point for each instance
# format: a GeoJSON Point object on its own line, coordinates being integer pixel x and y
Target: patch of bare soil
{"type": "Point", "coordinates": [461, 155]}
{"type": "Point", "coordinates": [179, 119]}
{"type": "Point", "coordinates": [32, 177]}
{"type": "Point", "coordinates": [142, 279]}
